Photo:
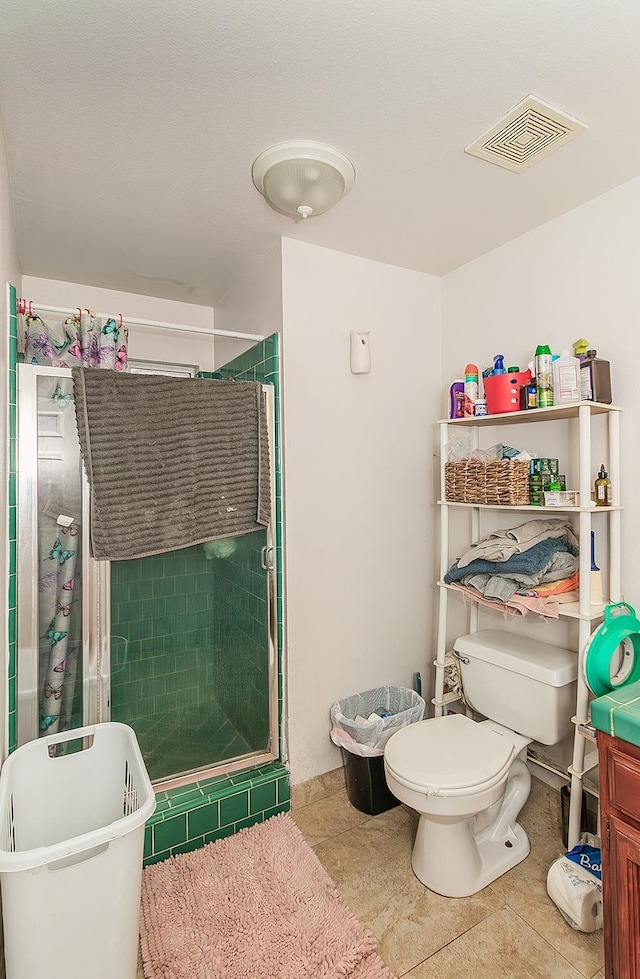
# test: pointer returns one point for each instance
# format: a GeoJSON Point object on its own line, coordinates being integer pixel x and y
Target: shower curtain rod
{"type": "Point", "coordinates": [25, 305]}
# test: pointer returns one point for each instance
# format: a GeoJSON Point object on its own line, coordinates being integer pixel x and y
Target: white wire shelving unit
{"type": "Point", "coordinates": [586, 615]}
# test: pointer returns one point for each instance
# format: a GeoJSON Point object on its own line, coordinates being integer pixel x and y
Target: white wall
{"type": "Point", "coordinates": [576, 276]}
{"type": "Point", "coordinates": [144, 344]}
{"type": "Point", "coordinates": [254, 305]}
{"type": "Point", "coordinates": [9, 272]}
{"type": "Point", "coordinates": [358, 485]}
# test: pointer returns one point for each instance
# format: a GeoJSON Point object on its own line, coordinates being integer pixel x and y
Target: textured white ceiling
{"type": "Point", "coordinates": [131, 127]}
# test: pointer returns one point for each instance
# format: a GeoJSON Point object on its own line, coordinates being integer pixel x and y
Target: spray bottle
{"type": "Point", "coordinates": [470, 388]}
{"type": "Point", "coordinates": [544, 376]}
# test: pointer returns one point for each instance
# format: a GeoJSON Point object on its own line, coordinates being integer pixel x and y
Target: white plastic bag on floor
{"type": "Point", "coordinates": [364, 722]}
{"type": "Point", "coordinates": [575, 890]}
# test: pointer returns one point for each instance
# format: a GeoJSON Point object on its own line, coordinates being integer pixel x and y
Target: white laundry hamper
{"type": "Point", "coordinates": [71, 848]}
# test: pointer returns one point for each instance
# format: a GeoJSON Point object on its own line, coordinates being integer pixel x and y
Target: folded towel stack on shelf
{"type": "Point", "coordinates": [533, 567]}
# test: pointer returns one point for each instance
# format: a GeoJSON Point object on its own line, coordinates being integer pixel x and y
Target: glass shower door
{"type": "Point", "coordinates": [194, 653]}
{"type": "Point", "coordinates": [58, 581]}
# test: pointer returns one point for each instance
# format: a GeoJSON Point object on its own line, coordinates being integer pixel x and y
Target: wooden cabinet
{"type": "Point", "coordinates": [620, 828]}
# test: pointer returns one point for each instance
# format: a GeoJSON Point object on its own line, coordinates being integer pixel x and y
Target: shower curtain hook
{"type": "Point", "coordinates": [22, 306]}
{"type": "Point", "coordinates": [30, 308]}
{"type": "Point", "coordinates": [120, 321]}
{"type": "Point", "coordinates": [79, 314]}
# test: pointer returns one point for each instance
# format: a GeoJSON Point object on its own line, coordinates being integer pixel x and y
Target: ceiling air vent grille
{"type": "Point", "coordinates": [525, 135]}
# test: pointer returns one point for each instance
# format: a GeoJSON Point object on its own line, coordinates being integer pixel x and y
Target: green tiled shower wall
{"type": "Point", "coordinates": [12, 553]}
{"type": "Point", "coordinates": [189, 654]}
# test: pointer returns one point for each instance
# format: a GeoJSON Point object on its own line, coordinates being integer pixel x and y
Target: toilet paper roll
{"type": "Point", "coordinates": [618, 638]}
{"type": "Point", "coordinates": [577, 893]}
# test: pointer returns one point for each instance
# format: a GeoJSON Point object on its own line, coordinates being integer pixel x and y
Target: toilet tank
{"type": "Point", "coordinates": [526, 685]}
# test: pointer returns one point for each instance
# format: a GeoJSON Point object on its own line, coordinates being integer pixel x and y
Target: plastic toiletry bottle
{"type": "Point", "coordinates": [456, 399]}
{"type": "Point", "coordinates": [544, 376]}
{"type": "Point", "coordinates": [566, 379]}
{"type": "Point", "coordinates": [480, 408]}
{"type": "Point", "coordinates": [470, 388]}
{"type": "Point", "coordinates": [595, 378]}
{"type": "Point", "coordinates": [604, 492]}
{"type": "Point", "coordinates": [498, 364]}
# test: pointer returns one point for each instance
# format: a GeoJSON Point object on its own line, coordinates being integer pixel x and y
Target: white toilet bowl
{"type": "Point", "coordinates": [468, 781]}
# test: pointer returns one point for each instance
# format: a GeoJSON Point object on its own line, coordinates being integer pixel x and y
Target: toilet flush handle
{"type": "Point", "coordinates": [463, 659]}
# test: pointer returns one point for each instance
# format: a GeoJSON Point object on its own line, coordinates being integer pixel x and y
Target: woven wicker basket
{"type": "Point", "coordinates": [502, 482]}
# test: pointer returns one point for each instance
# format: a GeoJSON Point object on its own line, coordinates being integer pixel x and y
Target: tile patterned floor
{"type": "Point", "coordinates": [510, 930]}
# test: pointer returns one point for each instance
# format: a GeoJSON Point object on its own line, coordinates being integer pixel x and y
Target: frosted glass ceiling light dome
{"type": "Point", "coordinates": [303, 178]}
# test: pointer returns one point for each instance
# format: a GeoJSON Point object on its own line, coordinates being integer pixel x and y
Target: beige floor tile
{"type": "Point", "coordinates": [503, 946]}
{"type": "Point", "coordinates": [140, 973]}
{"type": "Point", "coordinates": [372, 869]}
{"type": "Point", "coordinates": [421, 934]}
{"type": "Point", "coordinates": [327, 818]}
{"type": "Point", "coordinates": [317, 788]}
{"type": "Point", "coordinates": [524, 889]}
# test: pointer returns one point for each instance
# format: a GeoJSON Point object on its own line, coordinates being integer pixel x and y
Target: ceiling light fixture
{"type": "Point", "coordinates": [303, 178]}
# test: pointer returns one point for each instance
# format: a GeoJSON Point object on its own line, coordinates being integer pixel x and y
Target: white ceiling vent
{"type": "Point", "coordinates": [525, 135]}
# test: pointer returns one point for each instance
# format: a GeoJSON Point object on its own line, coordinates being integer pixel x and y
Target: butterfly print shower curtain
{"type": "Point", "coordinates": [88, 341]}
{"type": "Point", "coordinates": [80, 341]}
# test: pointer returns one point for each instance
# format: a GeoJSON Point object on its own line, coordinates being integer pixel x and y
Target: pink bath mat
{"type": "Point", "coordinates": [258, 905]}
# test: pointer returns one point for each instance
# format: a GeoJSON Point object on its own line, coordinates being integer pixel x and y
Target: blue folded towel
{"type": "Point", "coordinates": [527, 562]}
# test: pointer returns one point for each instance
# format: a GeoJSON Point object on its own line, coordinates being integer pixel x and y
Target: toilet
{"type": "Point", "coordinates": [468, 779]}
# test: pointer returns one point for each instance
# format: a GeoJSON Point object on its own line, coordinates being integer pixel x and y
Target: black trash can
{"type": "Point", "coordinates": [366, 783]}
{"type": "Point", "coordinates": [362, 725]}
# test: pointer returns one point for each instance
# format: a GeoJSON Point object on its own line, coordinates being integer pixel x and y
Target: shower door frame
{"type": "Point", "coordinates": [96, 595]}
{"type": "Point", "coordinates": [269, 564]}
{"type": "Point", "coordinates": [94, 573]}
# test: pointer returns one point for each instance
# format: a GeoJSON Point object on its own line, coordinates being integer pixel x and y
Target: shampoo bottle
{"type": "Point", "coordinates": [456, 399]}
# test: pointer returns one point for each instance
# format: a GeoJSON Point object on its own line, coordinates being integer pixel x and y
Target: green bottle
{"type": "Point", "coordinates": [544, 376]}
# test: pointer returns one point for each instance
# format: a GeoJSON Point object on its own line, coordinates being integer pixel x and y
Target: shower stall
{"type": "Point", "coordinates": [182, 646]}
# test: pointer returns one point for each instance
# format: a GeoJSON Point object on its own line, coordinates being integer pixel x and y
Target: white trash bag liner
{"type": "Point", "coordinates": [359, 724]}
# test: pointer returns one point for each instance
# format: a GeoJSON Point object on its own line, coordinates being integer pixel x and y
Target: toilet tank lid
{"type": "Point", "coordinates": [540, 661]}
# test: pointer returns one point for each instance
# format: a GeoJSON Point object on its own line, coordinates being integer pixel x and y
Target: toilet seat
{"type": "Point", "coordinates": [448, 756]}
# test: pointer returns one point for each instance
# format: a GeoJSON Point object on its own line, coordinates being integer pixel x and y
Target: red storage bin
{"type": "Point", "coordinates": [502, 391]}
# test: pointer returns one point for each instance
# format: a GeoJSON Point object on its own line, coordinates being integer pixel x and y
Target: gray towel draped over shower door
{"type": "Point", "coordinates": [171, 461]}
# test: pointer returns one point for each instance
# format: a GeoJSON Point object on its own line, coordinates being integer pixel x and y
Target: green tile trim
{"type": "Point", "coordinates": [157, 857]}
{"type": "Point", "coordinates": [262, 797]}
{"type": "Point", "coordinates": [233, 808]}
{"type": "Point", "coordinates": [220, 834]}
{"type": "Point", "coordinates": [204, 819]}
{"type": "Point", "coordinates": [170, 832]}
{"type": "Point", "coordinates": [188, 846]}
{"type": "Point", "coordinates": [249, 821]}
{"type": "Point", "coordinates": [191, 816]}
